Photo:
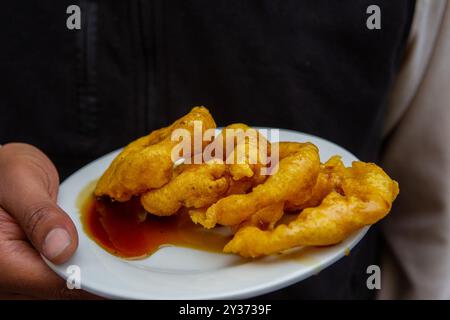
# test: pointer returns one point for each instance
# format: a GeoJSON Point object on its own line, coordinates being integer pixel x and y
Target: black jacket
{"type": "Point", "coordinates": [136, 65]}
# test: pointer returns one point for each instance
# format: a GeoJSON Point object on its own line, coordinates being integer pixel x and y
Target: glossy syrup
{"type": "Point", "coordinates": [124, 229]}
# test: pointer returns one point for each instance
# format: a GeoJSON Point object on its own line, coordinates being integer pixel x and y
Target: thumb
{"type": "Point", "coordinates": [28, 190]}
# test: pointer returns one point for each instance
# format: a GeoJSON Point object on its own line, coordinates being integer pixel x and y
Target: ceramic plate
{"type": "Point", "coordinates": [183, 273]}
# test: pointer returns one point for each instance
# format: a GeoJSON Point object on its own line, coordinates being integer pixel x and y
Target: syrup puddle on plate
{"type": "Point", "coordinates": [125, 230]}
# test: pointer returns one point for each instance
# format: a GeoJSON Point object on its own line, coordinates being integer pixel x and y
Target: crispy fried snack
{"type": "Point", "coordinates": [230, 189]}
{"type": "Point", "coordinates": [360, 195]}
{"type": "Point", "coordinates": [246, 152]}
{"type": "Point", "coordinates": [287, 148]}
{"type": "Point", "coordinates": [265, 218]}
{"type": "Point", "coordinates": [198, 185]}
{"type": "Point", "coordinates": [330, 179]}
{"type": "Point", "coordinates": [201, 185]}
{"type": "Point", "coordinates": [296, 175]}
{"type": "Point", "coordinates": [146, 163]}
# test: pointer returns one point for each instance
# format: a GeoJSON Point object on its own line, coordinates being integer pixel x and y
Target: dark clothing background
{"type": "Point", "coordinates": [310, 66]}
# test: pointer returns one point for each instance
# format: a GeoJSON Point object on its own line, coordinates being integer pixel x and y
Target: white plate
{"type": "Point", "coordinates": [183, 273]}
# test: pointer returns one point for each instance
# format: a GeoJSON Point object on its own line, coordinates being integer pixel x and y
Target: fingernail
{"type": "Point", "coordinates": [56, 242]}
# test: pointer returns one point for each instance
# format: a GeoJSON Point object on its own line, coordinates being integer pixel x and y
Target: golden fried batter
{"type": "Point", "coordinates": [198, 185]}
{"type": "Point", "coordinates": [287, 148]}
{"type": "Point", "coordinates": [265, 218]}
{"type": "Point", "coordinates": [329, 179]}
{"type": "Point", "coordinates": [146, 163]}
{"type": "Point", "coordinates": [245, 151]}
{"type": "Point", "coordinates": [365, 196]}
{"type": "Point", "coordinates": [294, 179]}
{"type": "Point", "coordinates": [231, 187]}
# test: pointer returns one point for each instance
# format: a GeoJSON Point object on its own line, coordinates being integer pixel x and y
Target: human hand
{"type": "Point", "coordinates": [31, 224]}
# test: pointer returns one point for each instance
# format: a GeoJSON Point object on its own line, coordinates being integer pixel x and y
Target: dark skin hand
{"type": "Point", "coordinates": [32, 224]}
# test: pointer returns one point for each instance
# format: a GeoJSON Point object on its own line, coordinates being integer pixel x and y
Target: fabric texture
{"type": "Point", "coordinates": [416, 260]}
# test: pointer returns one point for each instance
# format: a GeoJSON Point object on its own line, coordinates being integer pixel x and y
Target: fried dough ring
{"type": "Point", "coordinates": [201, 185]}
{"type": "Point", "coordinates": [198, 185]}
{"type": "Point", "coordinates": [265, 218]}
{"type": "Point", "coordinates": [330, 178]}
{"type": "Point", "coordinates": [362, 196]}
{"type": "Point", "coordinates": [296, 176]}
{"type": "Point", "coordinates": [246, 156]}
{"type": "Point", "coordinates": [146, 163]}
{"type": "Point", "coordinates": [245, 152]}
